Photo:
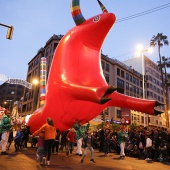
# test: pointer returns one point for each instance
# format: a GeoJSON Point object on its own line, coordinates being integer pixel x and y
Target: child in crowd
{"type": "Point", "coordinates": [18, 138]}
{"type": "Point", "coordinates": [88, 143]}
{"type": "Point", "coordinates": [71, 139]}
{"type": "Point", "coordinates": [40, 147]}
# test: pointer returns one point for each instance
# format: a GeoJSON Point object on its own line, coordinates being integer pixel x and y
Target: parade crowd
{"type": "Point", "coordinates": [150, 144]}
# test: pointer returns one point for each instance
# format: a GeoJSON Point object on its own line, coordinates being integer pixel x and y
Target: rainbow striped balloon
{"type": "Point", "coordinates": [43, 74]}
{"type": "Point", "coordinates": [102, 7]}
{"type": "Point", "coordinates": [76, 12]}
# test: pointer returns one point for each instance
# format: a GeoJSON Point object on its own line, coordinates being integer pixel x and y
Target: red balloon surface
{"type": "Point", "coordinates": [76, 85]}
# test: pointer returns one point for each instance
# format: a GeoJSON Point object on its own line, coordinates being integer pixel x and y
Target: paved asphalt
{"type": "Point", "coordinates": [25, 160]}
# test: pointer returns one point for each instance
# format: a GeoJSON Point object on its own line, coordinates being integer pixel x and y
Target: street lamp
{"type": "Point", "coordinates": [35, 81]}
{"type": "Point", "coordinates": [5, 104]}
{"type": "Point", "coordinates": [141, 51]}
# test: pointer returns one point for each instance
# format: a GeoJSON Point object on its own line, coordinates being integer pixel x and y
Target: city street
{"type": "Point", "coordinates": [25, 160]}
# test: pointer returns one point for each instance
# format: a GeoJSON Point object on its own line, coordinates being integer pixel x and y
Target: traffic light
{"type": "Point", "coordinates": [10, 32]}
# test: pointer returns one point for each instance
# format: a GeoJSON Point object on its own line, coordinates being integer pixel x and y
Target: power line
{"type": "Point", "coordinates": [144, 13]}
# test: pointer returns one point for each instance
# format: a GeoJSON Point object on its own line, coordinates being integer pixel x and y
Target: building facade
{"type": "Point", "coordinates": [9, 94]}
{"type": "Point", "coordinates": [120, 75]}
{"type": "Point", "coordinates": [153, 86]}
{"type": "Point", "coordinates": [30, 100]}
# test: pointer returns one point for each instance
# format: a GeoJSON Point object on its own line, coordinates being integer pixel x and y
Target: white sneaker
{"type": "Point", "coordinates": [44, 161]}
{"type": "Point", "coordinates": [37, 160]}
{"type": "Point", "coordinates": [48, 162]}
{"type": "Point", "coordinates": [146, 159]}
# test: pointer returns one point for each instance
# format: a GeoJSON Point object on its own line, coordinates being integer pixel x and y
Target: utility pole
{"type": "Point", "coordinates": [9, 31]}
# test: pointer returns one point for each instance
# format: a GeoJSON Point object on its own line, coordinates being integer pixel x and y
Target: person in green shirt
{"type": "Point", "coordinates": [122, 137]}
{"type": "Point", "coordinates": [5, 128]}
{"type": "Point", "coordinates": [80, 132]}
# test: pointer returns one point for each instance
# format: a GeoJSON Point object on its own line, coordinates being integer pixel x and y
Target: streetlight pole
{"type": "Point", "coordinates": [143, 82]}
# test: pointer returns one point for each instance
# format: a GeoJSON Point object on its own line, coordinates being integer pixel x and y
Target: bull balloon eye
{"type": "Point", "coordinates": [96, 19]}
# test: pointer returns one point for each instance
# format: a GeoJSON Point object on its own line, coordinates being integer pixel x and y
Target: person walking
{"type": "Point", "coordinates": [88, 144]}
{"type": "Point", "coordinates": [6, 124]}
{"type": "Point", "coordinates": [122, 137]}
{"type": "Point", "coordinates": [40, 147]}
{"type": "Point", "coordinates": [80, 132]}
{"type": "Point", "coordinates": [50, 135]}
{"type": "Point", "coordinates": [71, 139]}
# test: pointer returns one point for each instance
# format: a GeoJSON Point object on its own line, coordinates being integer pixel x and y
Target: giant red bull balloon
{"type": "Point", "coordinates": [76, 87]}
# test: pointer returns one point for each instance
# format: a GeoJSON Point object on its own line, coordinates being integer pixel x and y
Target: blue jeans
{"type": "Point", "coordinates": [91, 152]}
{"type": "Point", "coordinates": [40, 151]}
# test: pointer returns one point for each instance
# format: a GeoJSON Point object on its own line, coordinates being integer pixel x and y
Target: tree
{"type": "Point", "coordinates": [165, 64]}
{"type": "Point", "coordinates": [161, 40]}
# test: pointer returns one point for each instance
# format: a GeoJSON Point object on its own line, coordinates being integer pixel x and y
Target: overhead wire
{"type": "Point", "coordinates": [144, 12]}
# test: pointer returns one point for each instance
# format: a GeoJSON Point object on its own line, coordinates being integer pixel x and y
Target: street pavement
{"type": "Point", "coordinates": [26, 160]}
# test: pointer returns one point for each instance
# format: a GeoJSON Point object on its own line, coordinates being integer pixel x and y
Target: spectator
{"type": "Point", "coordinates": [163, 151]}
{"type": "Point", "coordinates": [135, 152]}
{"type": "Point", "coordinates": [107, 143]}
{"type": "Point", "coordinates": [154, 152]}
{"type": "Point", "coordinates": [101, 139]}
{"type": "Point", "coordinates": [63, 140]}
{"type": "Point", "coordinates": [148, 148]}
{"type": "Point", "coordinates": [26, 131]}
{"type": "Point", "coordinates": [56, 142]}
{"type": "Point", "coordinates": [142, 144]}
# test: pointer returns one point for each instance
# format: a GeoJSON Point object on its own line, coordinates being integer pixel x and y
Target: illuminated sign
{"type": "Point", "coordinates": [125, 116]}
{"type": "Point", "coordinates": [20, 82]}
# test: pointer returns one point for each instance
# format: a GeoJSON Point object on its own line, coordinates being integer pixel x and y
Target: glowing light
{"type": "Point", "coordinates": [35, 81]}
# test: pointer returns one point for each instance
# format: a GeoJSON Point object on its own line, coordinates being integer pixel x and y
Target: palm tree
{"type": "Point", "coordinates": [161, 40]}
{"type": "Point", "coordinates": [165, 64]}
